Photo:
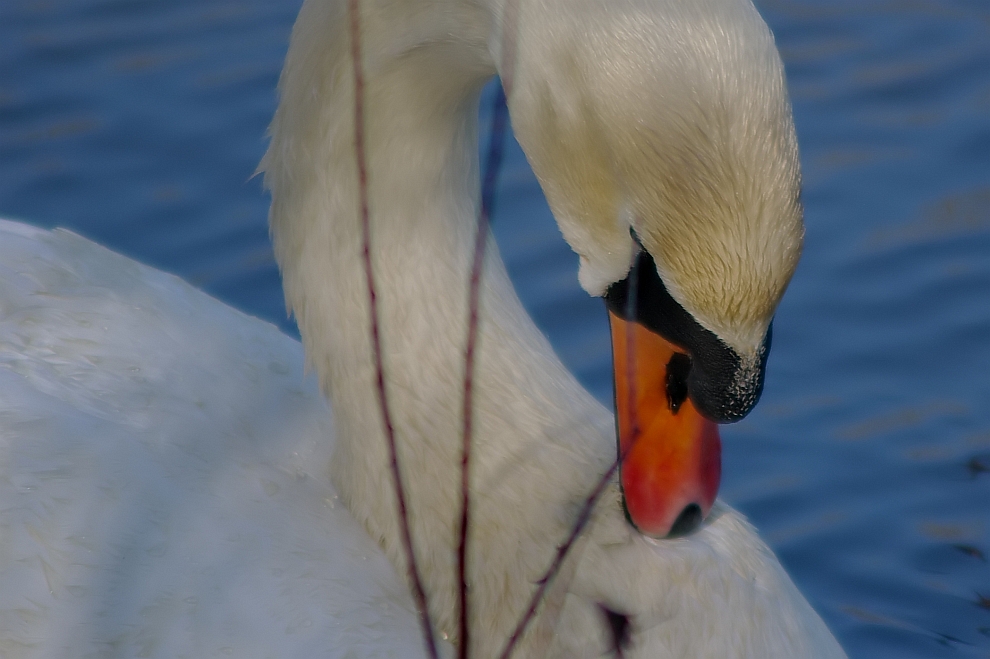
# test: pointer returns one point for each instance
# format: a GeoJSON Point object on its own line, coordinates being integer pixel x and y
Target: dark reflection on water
{"type": "Point", "coordinates": [867, 465]}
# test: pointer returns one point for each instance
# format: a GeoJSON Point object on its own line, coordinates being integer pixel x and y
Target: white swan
{"type": "Point", "coordinates": [164, 485]}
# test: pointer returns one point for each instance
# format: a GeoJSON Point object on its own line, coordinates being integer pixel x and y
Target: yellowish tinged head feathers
{"type": "Point", "coordinates": [679, 129]}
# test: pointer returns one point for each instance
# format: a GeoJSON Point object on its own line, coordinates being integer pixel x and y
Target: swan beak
{"type": "Point", "coordinates": [671, 456]}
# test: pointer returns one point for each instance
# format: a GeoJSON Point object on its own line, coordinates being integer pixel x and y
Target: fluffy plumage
{"type": "Point", "coordinates": [540, 436]}
{"type": "Point", "coordinates": [165, 487]}
{"type": "Point", "coordinates": [163, 476]}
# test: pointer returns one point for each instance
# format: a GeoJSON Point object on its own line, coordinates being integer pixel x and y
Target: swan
{"type": "Point", "coordinates": [173, 485]}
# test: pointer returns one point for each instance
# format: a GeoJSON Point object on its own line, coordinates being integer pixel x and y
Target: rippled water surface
{"type": "Point", "coordinates": [866, 466]}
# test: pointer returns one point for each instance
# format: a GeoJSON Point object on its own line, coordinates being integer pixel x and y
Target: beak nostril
{"type": "Point", "coordinates": [678, 369]}
{"type": "Point", "coordinates": [687, 522]}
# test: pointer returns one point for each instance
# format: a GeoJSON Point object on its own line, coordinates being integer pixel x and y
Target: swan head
{"type": "Point", "coordinates": [662, 135]}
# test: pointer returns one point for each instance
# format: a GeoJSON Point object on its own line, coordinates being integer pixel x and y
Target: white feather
{"type": "Point", "coordinates": [169, 485]}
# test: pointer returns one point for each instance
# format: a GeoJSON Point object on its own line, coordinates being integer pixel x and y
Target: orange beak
{"type": "Point", "coordinates": [671, 456]}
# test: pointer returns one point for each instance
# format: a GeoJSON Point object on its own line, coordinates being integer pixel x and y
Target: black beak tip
{"type": "Point", "coordinates": [687, 522]}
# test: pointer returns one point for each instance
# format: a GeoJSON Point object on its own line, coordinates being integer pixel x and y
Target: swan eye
{"type": "Point", "coordinates": [618, 630]}
{"type": "Point", "coordinates": [678, 369]}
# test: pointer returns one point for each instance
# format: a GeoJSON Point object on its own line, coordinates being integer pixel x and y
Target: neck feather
{"type": "Point", "coordinates": [539, 435]}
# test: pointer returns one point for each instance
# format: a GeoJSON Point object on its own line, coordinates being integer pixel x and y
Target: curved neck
{"type": "Point", "coordinates": [420, 98]}
{"type": "Point", "coordinates": [539, 436]}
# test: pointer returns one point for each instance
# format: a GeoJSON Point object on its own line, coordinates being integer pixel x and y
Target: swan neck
{"type": "Point", "coordinates": [532, 420]}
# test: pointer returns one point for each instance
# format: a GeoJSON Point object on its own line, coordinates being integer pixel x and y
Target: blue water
{"type": "Point", "coordinates": [866, 466]}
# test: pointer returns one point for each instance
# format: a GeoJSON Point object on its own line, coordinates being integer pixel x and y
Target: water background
{"type": "Point", "coordinates": [866, 465]}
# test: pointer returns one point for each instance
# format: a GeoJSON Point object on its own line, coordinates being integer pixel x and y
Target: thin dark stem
{"type": "Point", "coordinates": [419, 595]}
{"type": "Point", "coordinates": [584, 516]}
{"type": "Point", "coordinates": [493, 163]}
{"type": "Point", "coordinates": [631, 301]}
{"type": "Point", "coordinates": [558, 561]}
